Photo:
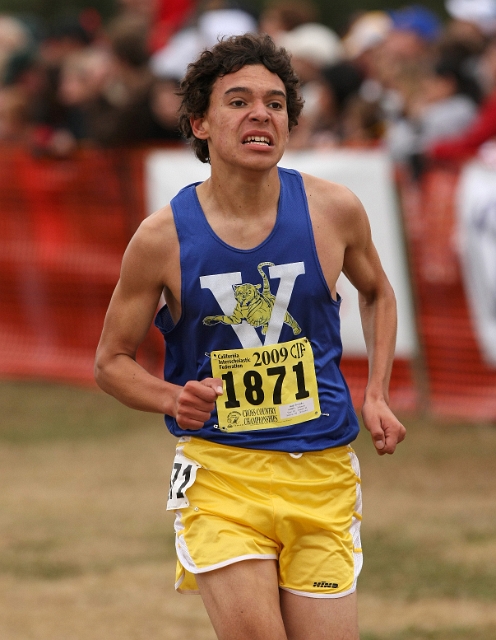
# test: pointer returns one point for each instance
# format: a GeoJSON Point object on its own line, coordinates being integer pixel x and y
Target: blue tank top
{"type": "Point", "coordinates": [214, 277]}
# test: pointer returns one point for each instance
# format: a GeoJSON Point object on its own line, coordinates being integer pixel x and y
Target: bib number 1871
{"type": "Point", "coordinates": [268, 387]}
{"type": "Point", "coordinates": [253, 384]}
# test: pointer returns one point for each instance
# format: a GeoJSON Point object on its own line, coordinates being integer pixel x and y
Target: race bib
{"type": "Point", "coordinates": [183, 476]}
{"type": "Point", "coordinates": [266, 387]}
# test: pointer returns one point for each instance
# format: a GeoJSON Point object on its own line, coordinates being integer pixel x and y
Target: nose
{"type": "Point", "coordinates": [259, 112]}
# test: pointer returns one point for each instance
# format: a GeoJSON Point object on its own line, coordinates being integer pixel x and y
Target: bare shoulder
{"type": "Point", "coordinates": [154, 248]}
{"type": "Point", "coordinates": [318, 187]}
{"type": "Point", "coordinates": [334, 204]}
{"type": "Point", "coordinates": [156, 232]}
{"type": "Point", "coordinates": [155, 237]}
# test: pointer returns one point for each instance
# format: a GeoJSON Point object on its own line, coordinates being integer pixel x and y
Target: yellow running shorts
{"type": "Point", "coordinates": [304, 510]}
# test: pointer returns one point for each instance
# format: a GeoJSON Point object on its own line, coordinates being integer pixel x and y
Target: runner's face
{"type": "Point", "coordinates": [247, 120]}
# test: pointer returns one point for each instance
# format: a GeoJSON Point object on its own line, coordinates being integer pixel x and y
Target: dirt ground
{"type": "Point", "coordinates": [86, 546]}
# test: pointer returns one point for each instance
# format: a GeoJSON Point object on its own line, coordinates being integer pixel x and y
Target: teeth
{"type": "Point", "coordinates": [258, 139]}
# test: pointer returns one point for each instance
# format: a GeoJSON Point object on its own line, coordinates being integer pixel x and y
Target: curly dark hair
{"type": "Point", "coordinates": [228, 56]}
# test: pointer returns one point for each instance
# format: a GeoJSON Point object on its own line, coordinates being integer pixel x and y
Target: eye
{"type": "Point", "coordinates": [237, 102]}
{"type": "Point", "coordinates": [276, 105]}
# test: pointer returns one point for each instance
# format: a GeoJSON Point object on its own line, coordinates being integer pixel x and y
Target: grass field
{"type": "Point", "coordinates": [86, 546]}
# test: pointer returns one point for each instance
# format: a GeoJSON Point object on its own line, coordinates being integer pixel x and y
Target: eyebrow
{"type": "Point", "coordinates": [272, 92]}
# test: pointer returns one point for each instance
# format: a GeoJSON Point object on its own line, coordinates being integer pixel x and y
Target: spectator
{"type": "Point", "coordinates": [26, 78]}
{"type": "Point", "coordinates": [214, 20]}
{"type": "Point", "coordinates": [362, 44]}
{"type": "Point", "coordinates": [365, 32]}
{"type": "Point", "coordinates": [412, 38]}
{"type": "Point", "coordinates": [391, 49]}
{"type": "Point", "coordinates": [120, 114]}
{"type": "Point", "coordinates": [83, 79]}
{"type": "Point", "coordinates": [362, 117]}
{"type": "Point", "coordinates": [59, 126]}
{"type": "Point", "coordinates": [472, 18]}
{"type": "Point", "coordinates": [444, 105]}
{"type": "Point", "coordinates": [313, 47]}
{"type": "Point", "coordinates": [483, 127]}
{"type": "Point", "coordinates": [466, 33]}
{"type": "Point", "coordinates": [281, 16]}
{"type": "Point", "coordinates": [64, 36]}
{"type": "Point", "coordinates": [164, 104]}
{"type": "Point", "coordinates": [362, 123]}
{"type": "Point", "coordinates": [327, 104]}
{"type": "Point", "coordinates": [14, 38]}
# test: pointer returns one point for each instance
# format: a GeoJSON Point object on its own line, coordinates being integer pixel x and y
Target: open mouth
{"type": "Point", "coordinates": [261, 140]}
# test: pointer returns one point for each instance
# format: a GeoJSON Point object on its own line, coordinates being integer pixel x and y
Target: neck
{"type": "Point", "coordinates": [251, 195]}
{"type": "Point", "coordinates": [242, 212]}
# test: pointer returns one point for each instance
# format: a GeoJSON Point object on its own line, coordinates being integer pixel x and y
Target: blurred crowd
{"type": "Point", "coordinates": [419, 84]}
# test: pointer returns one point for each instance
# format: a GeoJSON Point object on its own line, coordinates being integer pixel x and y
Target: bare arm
{"type": "Point", "coordinates": [377, 305]}
{"type": "Point", "coordinates": [150, 254]}
{"type": "Point", "coordinates": [344, 244]}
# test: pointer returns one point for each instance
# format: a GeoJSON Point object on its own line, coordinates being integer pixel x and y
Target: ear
{"type": "Point", "coordinates": [199, 126]}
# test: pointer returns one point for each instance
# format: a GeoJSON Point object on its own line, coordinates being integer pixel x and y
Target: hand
{"type": "Point", "coordinates": [196, 401]}
{"type": "Point", "coordinates": [386, 430]}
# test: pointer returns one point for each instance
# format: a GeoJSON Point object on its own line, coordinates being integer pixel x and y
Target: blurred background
{"type": "Point", "coordinates": [87, 105]}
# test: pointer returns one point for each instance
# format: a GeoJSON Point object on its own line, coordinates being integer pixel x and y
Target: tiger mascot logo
{"type": "Point", "coordinates": [253, 306]}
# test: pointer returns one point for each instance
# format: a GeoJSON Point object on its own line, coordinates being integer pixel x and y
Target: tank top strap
{"type": "Point", "coordinates": [188, 216]}
{"type": "Point", "coordinates": [293, 200]}
{"type": "Point", "coordinates": [292, 183]}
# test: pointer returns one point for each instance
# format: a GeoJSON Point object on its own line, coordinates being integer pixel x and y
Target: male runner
{"type": "Point", "coordinates": [265, 484]}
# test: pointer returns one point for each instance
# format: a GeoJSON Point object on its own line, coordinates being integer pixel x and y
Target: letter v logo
{"type": "Point", "coordinates": [221, 285]}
